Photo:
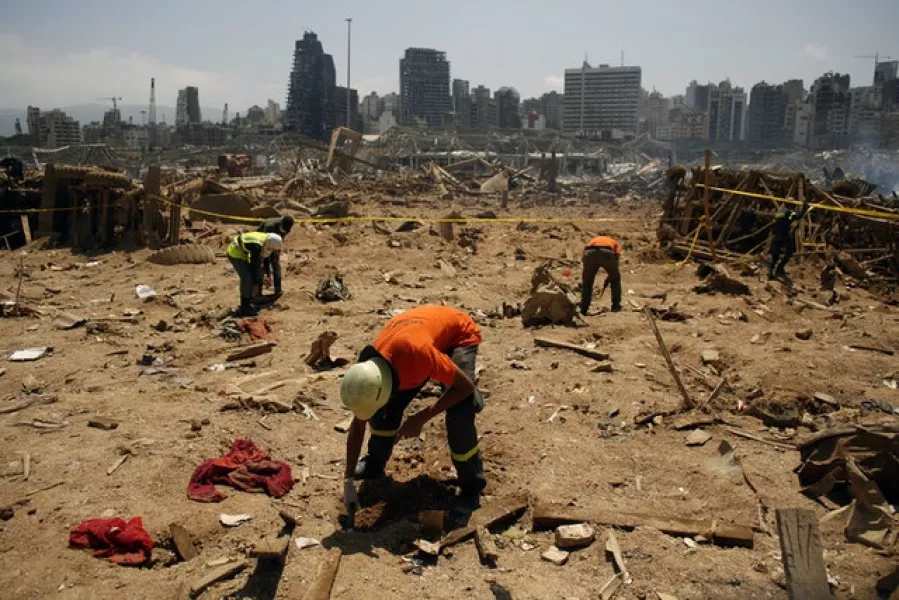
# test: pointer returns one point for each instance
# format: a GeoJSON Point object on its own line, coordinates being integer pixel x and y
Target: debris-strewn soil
{"type": "Point", "coordinates": [584, 457]}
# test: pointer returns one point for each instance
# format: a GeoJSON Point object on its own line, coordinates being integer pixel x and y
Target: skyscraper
{"type": "Point", "coordinates": [311, 108]}
{"type": "Point", "coordinates": [727, 112]}
{"type": "Point", "coordinates": [424, 86]}
{"type": "Point", "coordinates": [767, 113]}
{"type": "Point", "coordinates": [602, 101]}
{"type": "Point", "coordinates": [507, 106]}
{"type": "Point", "coordinates": [830, 102]}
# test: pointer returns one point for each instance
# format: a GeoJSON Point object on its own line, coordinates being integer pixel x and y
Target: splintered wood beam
{"type": "Point", "coordinates": [802, 554]}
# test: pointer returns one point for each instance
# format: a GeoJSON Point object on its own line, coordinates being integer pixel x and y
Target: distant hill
{"type": "Point", "coordinates": [86, 113]}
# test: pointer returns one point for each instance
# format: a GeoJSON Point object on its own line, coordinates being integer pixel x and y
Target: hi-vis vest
{"type": "Point", "coordinates": [238, 247]}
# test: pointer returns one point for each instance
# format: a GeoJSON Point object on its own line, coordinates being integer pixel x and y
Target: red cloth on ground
{"type": "Point", "coordinates": [258, 328]}
{"type": "Point", "coordinates": [119, 541]}
{"type": "Point", "coordinates": [246, 468]}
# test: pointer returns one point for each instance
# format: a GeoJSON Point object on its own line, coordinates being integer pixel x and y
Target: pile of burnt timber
{"type": "Point", "coordinates": [740, 223]}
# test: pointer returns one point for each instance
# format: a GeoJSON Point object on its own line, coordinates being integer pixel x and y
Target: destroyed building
{"type": "Point", "coordinates": [187, 111]}
{"type": "Point", "coordinates": [54, 128]}
{"type": "Point", "coordinates": [830, 103]}
{"type": "Point", "coordinates": [311, 90]}
{"type": "Point", "coordinates": [507, 108]}
{"type": "Point", "coordinates": [767, 114]}
{"type": "Point", "coordinates": [424, 87]}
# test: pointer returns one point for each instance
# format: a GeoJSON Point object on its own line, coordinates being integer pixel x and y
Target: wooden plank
{"type": "Point", "coordinates": [802, 554]}
{"type": "Point", "coordinates": [250, 351]}
{"type": "Point", "coordinates": [486, 546]}
{"type": "Point", "coordinates": [495, 513]}
{"type": "Point", "coordinates": [184, 544]}
{"type": "Point", "coordinates": [688, 402]}
{"type": "Point", "coordinates": [614, 549]}
{"type": "Point", "coordinates": [549, 516]}
{"type": "Point", "coordinates": [324, 580]}
{"type": "Point", "coordinates": [198, 586]}
{"type": "Point", "coordinates": [548, 343]}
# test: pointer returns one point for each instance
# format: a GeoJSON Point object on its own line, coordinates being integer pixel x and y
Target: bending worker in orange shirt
{"type": "Point", "coordinates": [428, 342]}
{"type": "Point", "coordinates": [602, 251]}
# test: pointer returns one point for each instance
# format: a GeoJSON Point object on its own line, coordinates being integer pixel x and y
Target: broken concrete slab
{"type": "Point", "coordinates": [66, 320]}
{"type": "Point", "coordinates": [184, 544]}
{"type": "Point", "coordinates": [698, 437]}
{"type": "Point", "coordinates": [250, 351]}
{"type": "Point", "coordinates": [712, 358]}
{"type": "Point", "coordinates": [574, 536]}
{"type": "Point", "coordinates": [271, 547]}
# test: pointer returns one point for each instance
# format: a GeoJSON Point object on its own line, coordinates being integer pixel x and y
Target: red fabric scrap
{"type": "Point", "coordinates": [246, 468]}
{"type": "Point", "coordinates": [118, 541]}
{"type": "Point", "coordinates": [257, 327]}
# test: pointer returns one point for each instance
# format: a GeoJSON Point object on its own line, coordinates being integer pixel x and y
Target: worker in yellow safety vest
{"type": "Point", "coordinates": [246, 253]}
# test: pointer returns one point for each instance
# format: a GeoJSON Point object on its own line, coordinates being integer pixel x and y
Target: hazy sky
{"type": "Point", "coordinates": [63, 52]}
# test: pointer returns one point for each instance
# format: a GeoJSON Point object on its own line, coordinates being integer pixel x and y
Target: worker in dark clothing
{"type": "Point", "coordinates": [246, 253]}
{"type": "Point", "coordinates": [426, 343]}
{"type": "Point", "coordinates": [783, 242]}
{"type": "Point", "coordinates": [601, 252]}
{"type": "Point", "coordinates": [272, 263]}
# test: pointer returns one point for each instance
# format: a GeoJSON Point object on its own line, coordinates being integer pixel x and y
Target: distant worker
{"type": "Point", "coordinates": [783, 242]}
{"type": "Point", "coordinates": [272, 263]}
{"type": "Point", "coordinates": [601, 252]}
{"type": "Point", "coordinates": [246, 253]}
{"type": "Point", "coordinates": [424, 343]}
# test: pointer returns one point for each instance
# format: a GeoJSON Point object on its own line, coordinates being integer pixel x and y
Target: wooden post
{"type": "Point", "coordinates": [802, 555]}
{"type": "Point", "coordinates": [705, 202]}
{"type": "Point", "coordinates": [327, 572]}
{"type": "Point", "coordinates": [26, 228]}
{"type": "Point", "coordinates": [688, 402]}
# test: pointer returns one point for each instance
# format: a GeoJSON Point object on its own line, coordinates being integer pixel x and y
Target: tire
{"type": "Point", "coordinates": [183, 255]}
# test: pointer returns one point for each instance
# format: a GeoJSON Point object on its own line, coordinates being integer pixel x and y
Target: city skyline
{"type": "Point", "coordinates": [529, 53]}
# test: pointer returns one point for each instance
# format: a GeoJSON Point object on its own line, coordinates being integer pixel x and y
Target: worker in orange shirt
{"type": "Point", "coordinates": [428, 342]}
{"type": "Point", "coordinates": [601, 252]}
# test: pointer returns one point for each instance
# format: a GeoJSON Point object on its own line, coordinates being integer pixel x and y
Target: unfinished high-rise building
{"type": "Point", "coordinates": [461, 103]}
{"type": "Point", "coordinates": [340, 108]}
{"type": "Point", "coordinates": [53, 129]}
{"type": "Point", "coordinates": [311, 108]}
{"type": "Point", "coordinates": [603, 101]}
{"type": "Point", "coordinates": [483, 108]}
{"type": "Point", "coordinates": [507, 108]}
{"type": "Point", "coordinates": [424, 87]}
{"type": "Point", "coordinates": [830, 102]}
{"type": "Point", "coordinates": [187, 110]}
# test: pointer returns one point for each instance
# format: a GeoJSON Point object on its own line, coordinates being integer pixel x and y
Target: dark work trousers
{"type": "Point", "coordinates": [246, 278]}
{"type": "Point", "coordinates": [461, 432]}
{"type": "Point", "coordinates": [272, 266]}
{"type": "Point", "coordinates": [594, 259]}
{"type": "Point", "coordinates": [782, 250]}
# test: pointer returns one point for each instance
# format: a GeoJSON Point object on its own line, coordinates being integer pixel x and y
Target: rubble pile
{"type": "Point", "coordinates": [857, 231]}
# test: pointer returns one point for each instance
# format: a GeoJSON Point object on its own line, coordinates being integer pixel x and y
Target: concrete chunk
{"type": "Point", "coordinates": [574, 536]}
{"type": "Point", "coordinates": [698, 437]}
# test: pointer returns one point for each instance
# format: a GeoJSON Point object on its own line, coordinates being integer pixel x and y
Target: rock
{"type": "Point", "coordinates": [827, 399]}
{"type": "Point", "coordinates": [698, 437]}
{"type": "Point", "coordinates": [271, 547]}
{"type": "Point", "coordinates": [195, 425]}
{"type": "Point", "coordinates": [6, 513]}
{"type": "Point", "coordinates": [712, 358]}
{"type": "Point", "coordinates": [162, 557]}
{"type": "Point", "coordinates": [605, 367]}
{"type": "Point", "coordinates": [548, 305]}
{"type": "Point", "coordinates": [429, 548]}
{"type": "Point", "coordinates": [574, 536]}
{"type": "Point", "coordinates": [30, 385]}
{"type": "Point", "coordinates": [804, 334]}
{"type": "Point", "coordinates": [517, 364]}
{"type": "Point", "coordinates": [850, 266]}
{"type": "Point", "coordinates": [104, 423]}
{"type": "Point", "coordinates": [184, 544]}
{"type": "Point", "coordinates": [555, 556]}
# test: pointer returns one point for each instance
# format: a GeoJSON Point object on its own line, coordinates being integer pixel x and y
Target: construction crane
{"type": "Point", "coordinates": [114, 101]}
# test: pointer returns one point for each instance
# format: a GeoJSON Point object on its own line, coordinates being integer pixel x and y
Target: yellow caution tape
{"type": "Point", "coordinates": [26, 211]}
{"type": "Point", "coordinates": [681, 263]}
{"type": "Point", "coordinates": [877, 214]}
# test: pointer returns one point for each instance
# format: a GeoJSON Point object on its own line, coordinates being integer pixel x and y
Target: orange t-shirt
{"type": "Point", "coordinates": [605, 241]}
{"type": "Point", "coordinates": [416, 341]}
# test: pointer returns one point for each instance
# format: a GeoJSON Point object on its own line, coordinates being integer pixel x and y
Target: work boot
{"type": "Point", "coordinates": [468, 501]}
{"type": "Point", "coordinates": [367, 470]}
{"type": "Point", "coordinates": [247, 309]}
{"type": "Point", "coordinates": [616, 308]}
{"type": "Point", "coordinates": [771, 275]}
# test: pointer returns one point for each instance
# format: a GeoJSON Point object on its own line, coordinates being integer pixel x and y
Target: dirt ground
{"type": "Point", "coordinates": [584, 457]}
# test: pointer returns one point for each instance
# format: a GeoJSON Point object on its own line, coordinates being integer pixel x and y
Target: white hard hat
{"type": "Point", "coordinates": [273, 243]}
{"type": "Point", "coordinates": [366, 387]}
